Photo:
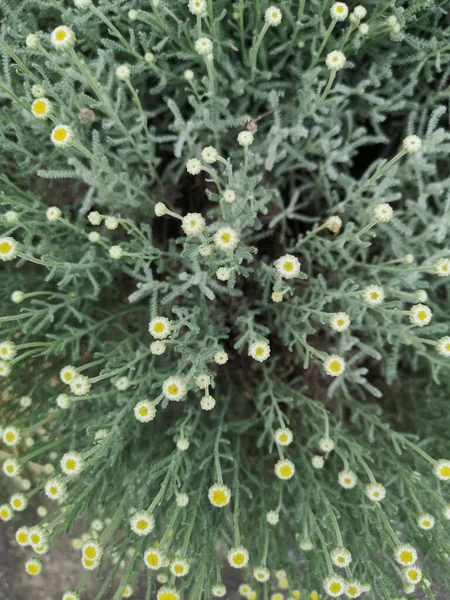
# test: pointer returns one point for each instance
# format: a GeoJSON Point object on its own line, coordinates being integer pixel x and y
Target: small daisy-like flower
{"type": "Point", "coordinates": [205, 249]}
{"type": "Point", "coordinates": [71, 595]}
{"type": "Point", "coordinates": [203, 380]}
{"type": "Point", "coordinates": [22, 536]}
{"type": "Point", "coordinates": [238, 557]}
{"type": "Point", "coordinates": [183, 444]}
{"type": "Point", "coordinates": [317, 461]}
{"type": "Point", "coordinates": [89, 564]}
{"type": "Point", "coordinates": [53, 214]}
{"type": "Point", "coordinates": [6, 513]}
{"type": "Point", "coordinates": [405, 555]}
{"type": "Point", "coordinates": [412, 574]}
{"type": "Point", "coordinates": [92, 550]}
{"type": "Point", "coordinates": [259, 350]}
{"type": "Point", "coordinates": [288, 266]}
{"type": "Point", "coordinates": [334, 224]}
{"type": "Point", "coordinates": [273, 517]}
{"type": "Point", "coordinates": [80, 385]}
{"type": "Point", "coordinates": [412, 144]}
{"type": "Point", "coordinates": [72, 463]}
{"type": "Point", "coordinates": [443, 346]}
{"type": "Point", "coordinates": [174, 388]}
{"type": "Point", "coordinates": [284, 469]}
{"type": "Point", "coordinates": [111, 223]}
{"type": "Point", "coordinates": [244, 589]}
{"type": "Point", "coordinates": [204, 46]}
{"type": "Point", "coordinates": [221, 357]}
{"type": "Point", "coordinates": [193, 166]}
{"type": "Point", "coordinates": [347, 479]}
{"type": "Point", "coordinates": [55, 489]}
{"type": "Point", "coordinates": [420, 315]}
{"type": "Point", "coordinates": [442, 469]}
{"type": "Point", "coordinates": [210, 155]}
{"type": "Point", "coordinates": [158, 348]}
{"type": "Point", "coordinates": [193, 224]}
{"type": "Point", "coordinates": [122, 384]}
{"type": "Point", "coordinates": [326, 444]}
{"type": "Point", "coordinates": [229, 196]}
{"type": "Point", "coordinates": [375, 492]}
{"type": "Point", "coordinates": [123, 72]}
{"type": "Point", "coordinates": [353, 589]}
{"type": "Point", "coordinates": [62, 38]}
{"type": "Point", "coordinates": [144, 411]}
{"type": "Point", "coordinates": [95, 218]}
{"type": "Point", "coordinates": [245, 139]}
{"type": "Point", "coordinates": [167, 593]}
{"type": "Point", "coordinates": [261, 574]}
{"type": "Point", "coordinates": [273, 16]}
{"type": "Point", "coordinates": [218, 590]}
{"type": "Point", "coordinates": [37, 536]}
{"type": "Point", "coordinates": [181, 499]}
{"type": "Point", "coordinates": [160, 328]}
{"type": "Point", "coordinates": [7, 350]}
{"type": "Point", "coordinates": [32, 41]}
{"type": "Point", "coordinates": [334, 365]}
{"type": "Point", "coordinates": [5, 368]}
{"type": "Point", "coordinates": [11, 467]}
{"type": "Point", "coordinates": [383, 212]}
{"type": "Point", "coordinates": [9, 248]}
{"type": "Point", "coordinates": [360, 12]}
{"type": "Point", "coordinates": [283, 436]}
{"type": "Point", "coordinates": [94, 237]}
{"type": "Point", "coordinates": [198, 7]}
{"type": "Point", "coordinates": [33, 566]}
{"type": "Point", "coordinates": [11, 436]}
{"type": "Point", "coordinates": [179, 567]}
{"type": "Point", "coordinates": [283, 583]}
{"type": "Point", "coordinates": [226, 239]}
{"type": "Point", "coordinates": [223, 273]}
{"type": "Point", "coordinates": [154, 559]}
{"type": "Point", "coordinates": [128, 590]}
{"type": "Point", "coordinates": [142, 523]}
{"type": "Point", "coordinates": [18, 502]}
{"type": "Point", "coordinates": [341, 557]}
{"type": "Point", "coordinates": [373, 295]}
{"type": "Point", "coordinates": [207, 402]}
{"type": "Point", "coordinates": [339, 11]}
{"type": "Point", "coordinates": [442, 267]}
{"type": "Point", "coordinates": [426, 521]}
{"type": "Point", "coordinates": [335, 60]}
{"type": "Point", "coordinates": [219, 495]}
{"type": "Point", "coordinates": [41, 549]}
{"type": "Point", "coordinates": [334, 586]}
{"type": "Point", "coordinates": [41, 108]}
{"type": "Point", "coordinates": [339, 321]}
{"type": "Point", "coordinates": [67, 374]}
{"type": "Point", "coordinates": [62, 136]}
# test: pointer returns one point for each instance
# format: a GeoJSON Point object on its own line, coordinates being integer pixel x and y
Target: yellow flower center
{"type": "Point", "coordinates": [341, 559]}
{"type": "Point", "coordinates": [159, 327]}
{"type": "Point", "coordinates": [406, 556]}
{"type": "Point", "coordinates": [225, 237]}
{"type": "Point", "coordinates": [285, 471]}
{"type": "Point", "coordinates": [283, 438]}
{"type": "Point", "coordinates": [60, 135]}
{"type": "Point", "coordinates": [335, 366]}
{"type": "Point", "coordinates": [5, 247]}
{"type": "Point", "coordinates": [142, 524]}
{"type": "Point", "coordinates": [413, 574]}
{"type": "Point", "coordinates": [347, 480]}
{"type": "Point", "coordinates": [10, 469]}
{"type": "Point", "coordinates": [53, 490]}
{"type": "Point", "coordinates": [143, 411]}
{"type": "Point", "coordinates": [17, 503]}
{"type": "Point", "coordinates": [178, 569]}
{"type": "Point", "coordinates": [426, 523]}
{"type": "Point", "coordinates": [22, 537]}
{"type": "Point", "coordinates": [288, 266]}
{"type": "Point", "coordinates": [352, 590]}
{"type": "Point", "coordinates": [259, 351]}
{"type": "Point", "coordinates": [238, 558]}
{"type": "Point", "coordinates": [4, 351]}
{"type": "Point", "coordinates": [340, 322]}
{"type": "Point", "coordinates": [173, 389]}
{"type": "Point", "coordinates": [335, 587]}
{"type": "Point", "coordinates": [422, 315]}
{"type": "Point", "coordinates": [33, 569]}
{"type": "Point", "coordinates": [314, 596]}
{"type": "Point", "coordinates": [339, 9]}
{"type": "Point", "coordinates": [376, 494]}
{"type": "Point", "coordinates": [219, 497]}
{"type": "Point", "coordinates": [88, 562]}
{"type": "Point", "coordinates": [167, 596]}
{"type": "Point", "coordinates": [61, 35]}
{"type": "Point", "coordinates": [39, 107]}
{"type": "Point", "coordinates": [447, 347]}
{"type": "Point", "coordinates": [374, 295]}
{"type": "Point", "coordinates": [152, 560]}
{"type": "Point", "coordinates": [35, 538]}
{"type": "Point", "coordinates": [445, 471]}
{"type": "Point", "coordinates": [10, 436]}
{"type": "Point", "coordinates": [4, 513]}
{"type": "Point", "coordinates": [90, 552]}
{"type": "Point", "coordinates": [71, 464]}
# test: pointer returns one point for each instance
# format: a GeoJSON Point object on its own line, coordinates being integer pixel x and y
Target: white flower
{"type": "Point", "coordinates": [334, 585]}
{"type": "Point", "coordinates": [154, 559]}
{"type": "Point", "coordinates": [277, 297]}
{"type": "Point", "coordinates": [22, 535]}
{"type": "Point", "coordinates": [183, 444]}
{"type": "Point", "coordinates": [132, 14]}
{"type": "Point", "coordinates": [203, 380]}
{"type": "Point", "coordinates": [25, 401]}
{"type": "Point", "coordinates": [412, 144]}
{"type": "Point", "coordinates": [17, 297]}
{"type": "Point", "coordinates": [446, 512]}
{"type": "Point", "coordinates": [283, 436]}
{"type": "Point", "coordinates": [9, 248]}
{"type": "Point", "coordinates": [210, 155]}
{"type": "Point", "coordinates": [226, 239]}
{"type": "Point", "coordinates": [193, 224]}
{"type": "Point", "coordinates": [53, 214]}
{"type": "Point", "coordinates": [181, 499]}
{"type": "Point", "coordinates": [160, 209]}
{"type": "Point", "coordinates": [142, 523]}
{"type": "Point", "coordinates": [339, 321]}
{"type": "Point", "coordinates": [273, 16]}
{"type": "Point", "coordinates": [335, 60]}
{"type": "Point", "coordinates": [426, 521]}
{"type": "Point", "coordinates": [62, 38]}
{"type": "Point", "coordinates": [92, 550]}
{"type": "Point", "coordinates": [442, 469]}
{"type": "Point", "coordinates": [174, 388]}
{"type": "Point", "coordinates": [442, 267]}
{"type": "Point", "coordinates": [94, 217]}
{"type": "Point", "coordinates": [334, 224]}
{"type": "Point", "coordinates": [288, 266]}
{"type": "Point", "coordinates": [11, 436]}
{"type": "Point", "coordinates": [334, 365]}
{"type": "Point", "coordinates": [11, 217]}
{"type": "Point", "coordinates": [37, 91]}
{"type": "Point", "coordinates": [238, 557]}
{"type": "Point", "coordinates": [219, 495]}
{"type": "Point", "coordinates": [72, 595]}
{"type": "Point", "coordinates": [305, 545]}
{"type": "Point", "coordinates": [144, 411]}
{"type": "Point", "coordinates": [229, 196]}
{"type": "Point", "coordinates": [205, 250]}
{"type": "Point", "coordinates": [363, 29]}
{"type": "Point", "coordinates": [259, 350]}
{"type": "Point", "coordinates": [408, 258]}
{"type": "Point", "coordinates": [189, 75]}
{"type": "Point", "coordinates": [82, 5]}
{"type": "Point", "coordinates": [443, 346]}
{"type": "Point", "coordinates": [341, 557]}
{"type": "Point", "coordinates": [223, 273]}
{"type": "Point", "coordinates": [33, 566]}
{"type": "Point", "coordinates": [207, 402]}
{"type": "Point", "coordinates": [317, 462]}
{"type": "Point", "coordinates": [41, 108]}
{"type": "Point", "coordinates": [80, 385]}
{"type": "Point", "coordinates": [149, 57]}
{"type": "Point", "coordinates": [67, 373]}
{"type": "Point", "coordinates": [11, 467]}
{"type": "Point", "coordinates": [5, 368]}
{"type": "Point", "coordinates": [221, 357]}
{"type": "Point", "coordinates": [405, 555]}
{"type": "Point", "coordinates": [123, 72]}
{"type": "Point", "coordinates": [193, 166]}
{"type": "Point", "coordinates": [158, 348]}
{"type": "Point", "coordinates": [62, 136]}
{"type": "Point", "coordinates": [204, 46]}
{"type": "Point", "coordinates": [94, 237]}
{"type": "Point", "coordinates": [383, 212]}
{"type": "Point", "coordinates": [245, 138]}
{"type": "Point", "coordinates": [326, 444]}
{"type": "Point", "coordinates": [420, 315]}
{"type": "Point", "coordinates": [353, 589]}
{"type": "Point", "coordinates": [32, 41]}
{"type": "Point", "coordinates": [7, 350]}
{"type": "Point", "coordinates": [373, 295]}
{"type": "Point", "coordinates": [6, 514]}
{"type": "Point", "coordinates": [167, 592]}
{"type": "Point", "coordinates": [347, 479]}
{"type": "Point", "coordinates": [261, 574]}
{"type": "Point", "coordinates": [375, 492]}
{"type": "Point", "coordinates": [339, 11]}
{"type": "Point", "coordinates": [18, 502]}
{"type": "Point", "coordinates": [122, 384]}
{"type": "Point", "coordinates": [111, 223]}
{"type": "Point", "coordinates": [360, 12]}
{"type": "Point", "coordinates": [115, 252]}
{"type": "Point", "coordinates": [412, 575]}
{"type": "Point", "coordinates": [55, 489]}
{"type": "Point", "coordinates": [160, 328]}
{"type": "Point", "coordinates": [284, 469]}
{"type": "Point", "coordinates": [273, 517]}
{"type": "Point", "coordinates": [179, 567]}
{"type": "Point", "coordinates": [72, 463]}
{"type": "Point", "coordinates": [218, 590]}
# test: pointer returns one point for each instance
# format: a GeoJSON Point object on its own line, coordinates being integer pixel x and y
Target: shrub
{"type": "Point", "coordinates": [225, 292]}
